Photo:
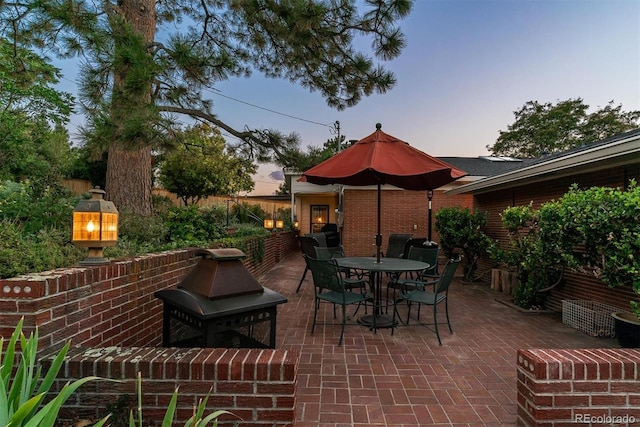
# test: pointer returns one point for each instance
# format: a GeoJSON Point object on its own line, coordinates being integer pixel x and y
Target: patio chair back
{"type": "Point", "coordinates": [414, 241]}
{"type": "Point", "coordinates": [326, 276]}
{"type": "Point", "coordinates": [308, 246]}
{"type": "Point", "coordinates": [445, 279]}
{"type": "Point", "coordinates": [320, 237]}
{"type": "Point", "coordinates": [395, 246]}
{"type": "Point", "coordinates": [425, 254]}
{"type": "Point", "coordinates": [329, 252]}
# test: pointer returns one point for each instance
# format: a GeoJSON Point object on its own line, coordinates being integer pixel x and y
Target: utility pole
{"type": "Point", "coordinates": [337, 125]}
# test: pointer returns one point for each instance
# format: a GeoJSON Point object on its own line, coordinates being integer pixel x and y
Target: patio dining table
{"type": "Point", "coordinates": [386, 265]}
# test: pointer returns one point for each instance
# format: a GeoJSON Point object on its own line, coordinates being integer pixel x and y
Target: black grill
{"type": "Point", "coordinates": [219, 304]}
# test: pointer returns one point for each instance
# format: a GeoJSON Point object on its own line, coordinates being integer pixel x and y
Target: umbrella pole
{"type": "Point", "coordinates": [379, 235]}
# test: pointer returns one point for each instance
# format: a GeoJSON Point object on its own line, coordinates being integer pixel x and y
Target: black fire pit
{"type": "Point", "coordinates": [219, 304]}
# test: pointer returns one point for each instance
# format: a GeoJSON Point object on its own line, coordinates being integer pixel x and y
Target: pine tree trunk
{"type": "Point", "coordinates": [129, 165]}
{"type": "Point", "coordinates": [129, 179]}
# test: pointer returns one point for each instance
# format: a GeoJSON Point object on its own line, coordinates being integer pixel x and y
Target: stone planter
{"type": "Point", "coordinates": [627, 329]}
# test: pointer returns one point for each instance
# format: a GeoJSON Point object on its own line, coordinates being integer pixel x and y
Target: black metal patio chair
{"type": "Point", "coordinates": [425, 254]}
{"type": "Point", "coordinates": [308, 246]}
{"type": "Point", "coordinates": [422, 297]}
{"type": "Point", "coordinates": [329, 286]}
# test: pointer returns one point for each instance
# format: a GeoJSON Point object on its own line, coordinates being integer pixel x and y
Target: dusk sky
{"type": "Point", "coordinates": [468, 65]}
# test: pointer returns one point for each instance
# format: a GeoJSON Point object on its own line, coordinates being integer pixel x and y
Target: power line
{"type": "Point", "coordinates": [219, 93]}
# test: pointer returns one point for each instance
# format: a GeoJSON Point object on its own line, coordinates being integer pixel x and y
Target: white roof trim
{"type": "Point", "coordinates": [616, 149]}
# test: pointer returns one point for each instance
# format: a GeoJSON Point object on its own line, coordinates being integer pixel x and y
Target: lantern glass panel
{"type": "Point", "coordinates": [109, 226]}
{"type": "Point", "coordinates": [86, 226]}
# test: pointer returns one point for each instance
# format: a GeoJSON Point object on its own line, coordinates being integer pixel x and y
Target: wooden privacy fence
{"type": "Point", "coordinates": [81, 186]}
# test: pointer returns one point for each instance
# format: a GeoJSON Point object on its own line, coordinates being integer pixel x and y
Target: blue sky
{"type": "Point", "coordinates": [468, 65]}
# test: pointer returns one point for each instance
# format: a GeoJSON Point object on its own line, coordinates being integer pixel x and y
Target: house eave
{"type": "Point", "coordinates": [624, 151]}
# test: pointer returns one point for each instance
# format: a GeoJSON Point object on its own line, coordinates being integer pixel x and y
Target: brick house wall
{"type": "Point", "coordinates": [578, 386]}
{"type": "Point", "coordinates": [401, 210]}
{"type": "Point", "coordinates": [113, 307]}
{"type": "Point", "coordinates": [575, 285]}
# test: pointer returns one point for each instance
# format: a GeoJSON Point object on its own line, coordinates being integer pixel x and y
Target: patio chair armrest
{"type": "Point", "coordinates": [421, 284]}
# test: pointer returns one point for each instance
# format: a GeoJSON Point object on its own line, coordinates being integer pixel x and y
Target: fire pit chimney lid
{"type": "Point", "coordinates": [219, 274]}
{"type": "Point", "coordinates": [222, 254]}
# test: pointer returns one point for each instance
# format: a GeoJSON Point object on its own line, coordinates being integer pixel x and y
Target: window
{"type": "Point", "coordinates": [319, 217]}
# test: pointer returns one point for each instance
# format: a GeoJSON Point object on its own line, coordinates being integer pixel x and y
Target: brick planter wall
{"type": "Point", "coordinates": [111, 308]}
{"type": "Point", "coordinates": [257, 386]}
{"type": "Point", "coordinates": [571, 387]}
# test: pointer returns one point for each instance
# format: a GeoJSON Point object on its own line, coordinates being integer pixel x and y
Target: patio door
{"type": "Point", "coordinates": [319, 217]}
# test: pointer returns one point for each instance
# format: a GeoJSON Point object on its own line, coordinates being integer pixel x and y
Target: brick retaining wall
{"type": "Point", "coordinates": [256, 385]}
{"type": "Point", "coordinates": [576, 386]}
{"type": "Point", "coordinates": [111, 308]}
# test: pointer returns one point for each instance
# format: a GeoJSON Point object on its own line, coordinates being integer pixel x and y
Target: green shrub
{"type": "Point", "coordinates": [22, 252]}
{"type": "Point", "coordinates": [537, 266]}
{"type": "Point", "coordinates": [244, 213]}
{"type": "Point", "coordinates": [193, 224]}
{"type": "Point", "coordinates": [598, 232]}
{"type": "Point", "coordinates": [35, 230]}
{"type": "Point", "coordinates": [249, 240]}
{"type": "Point", "coordinates": [36, 207]}
{"type": "Point", "coordinates": [460, 230]}
{"type": "Point", "coordinates": [595, 231]}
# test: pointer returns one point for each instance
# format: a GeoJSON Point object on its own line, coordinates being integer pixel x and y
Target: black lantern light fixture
{"type": "Point", "coordinates": [95, 226]}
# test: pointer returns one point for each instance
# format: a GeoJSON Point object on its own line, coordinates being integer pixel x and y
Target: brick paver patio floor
{"type": "Point", "coordinates": [408, 379]}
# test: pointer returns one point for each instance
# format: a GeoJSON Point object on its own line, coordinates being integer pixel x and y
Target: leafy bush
{"type": "Point", "coordinates": [22, 252]}
{"type": "Point", "coordinates": [193, 224]}
{"type": "Point", "coordinates": [598, 233]}
{"type": "Point", "coordinates": [595, 231]}
{"type": "Point", "coordinates": [35, 230]}
{"type": "Point", "coordinates": [244, 213]}
{"type": "Point", "coordinates": [249, 240]}
{"type": "Point", "coordinates": [36, 206]}
{"type": "Point", "coordinates": [461, 230]}
{"type": "Point", "coordinates": [536, 263]}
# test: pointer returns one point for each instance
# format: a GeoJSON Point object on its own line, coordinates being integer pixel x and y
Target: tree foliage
{"type": "Point", "coordinates": [200, 165]}
{"type": "Point", "coordinates": [299, 161]}
{"type": "Point", "coordinates": [546, 128]}
{"type": "Point", "coordinates": [147, 64]}
{"type": "Point", "coordinates": [33, 141]}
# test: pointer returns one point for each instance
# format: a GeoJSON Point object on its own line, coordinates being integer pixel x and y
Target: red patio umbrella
{"type": "Point", "coordinates": [383, 159]}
